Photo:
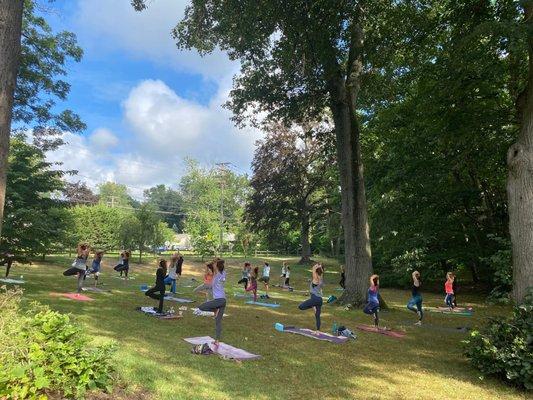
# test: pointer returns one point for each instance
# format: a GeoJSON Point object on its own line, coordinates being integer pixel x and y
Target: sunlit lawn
{"type": "Point", "coordinates": [151, 356]}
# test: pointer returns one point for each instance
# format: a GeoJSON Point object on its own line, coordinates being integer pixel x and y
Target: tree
{"type": "Point", "coordinates": [115, 195]}
{"type": "Point", "coordinates": [520, 178]}
{"type": "Point", "coordinates": [169, 202]}
{"type": "Point", "coordinates": [79, 194]}
{"type": "Point", "coordinates": [32, 58]}
{"type": "Point", "coordinates": [288, 182]}
{"type": "Point", "coordinates": [98, 225]}
{"type": "Point", "coordinates": [213, 200]}
{"type": "Point", "coordinates": [300, 58]}
{"type": "Point", "coordinates": [10, 29]}
{"type": "Point", "coordinates": [34, 221]}
{"type": "Point", "coordinates": [143, 229]}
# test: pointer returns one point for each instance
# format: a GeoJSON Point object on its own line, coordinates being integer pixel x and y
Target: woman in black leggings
{"type": "Point", "coordinates": [124, 265]}
{"type": "Point", "coordinates": [79, 265]}
{"type": "Point", "coordinates": [159, 286]}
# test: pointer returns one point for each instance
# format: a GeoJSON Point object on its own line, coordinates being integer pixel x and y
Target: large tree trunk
{"type": "Point", "coordinates": [354, 220]}
{"type": "Point", "coordinates": [10, 31]}
{"type": "Point", "coordinates": [306, 246]}
{"type": "Point", "coordinates": [344, 91]}
{"type": "Point", "coordinates": [520, 182]}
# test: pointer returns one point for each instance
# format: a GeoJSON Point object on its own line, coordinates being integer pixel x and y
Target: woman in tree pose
{"type": "Point", "coordinates": [95, 267]}
{"type": "Point", "coordinates": [315, 291]}
{"type": "Point", "coordinates": [415, 303]}
{"type": "Point", "coordinates": [158, 291]}
{"type": "Point", "coordinates": [218, 304]}
{"type": "Point", "coordinates": [79, 266]}
{"type": "Point", "coordinates": [245, 274]}
{"type": "Point", "coordinates": [448, 287]}
{"type": "Point", "coordinates": [172, 276]}
{"type": "Point", "coordinates": [266, 278]}
{"type": "Point", "coordinates": [124, 265]}
{"type": "Point", "coordinates": [343, 277]}
{"type": "Point", "coordinates": [252, 286]}
{"type": "Point", "coordinates": [372, 305]}
{"type": "Point", "coordinates": [283, 274]}
{"type": "Point", "coordinates": [287, 276]}
{"type": "Point", "coordinates": [207, 286]}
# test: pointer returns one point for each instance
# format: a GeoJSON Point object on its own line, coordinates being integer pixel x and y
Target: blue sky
{"type": "Point", "coordinates": [147, 105]}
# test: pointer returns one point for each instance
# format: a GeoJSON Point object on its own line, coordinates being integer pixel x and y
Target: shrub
{"type": "Point", "coordinates": [44, 351]}
{"type": "Point", "coordinates": [504, 348]}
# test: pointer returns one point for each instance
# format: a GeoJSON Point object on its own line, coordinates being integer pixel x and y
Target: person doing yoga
{"type": "Point", "coordinates": [448, 287]}
{"type": "Point", "coordinates": [266, 278]}
{"type": "Point", "coordinates": [245, 274]}
{"type": "Point", "coordinates": [173, 274]}
{"type": "Point", "coordinates": [79, 265]}
{"type": "Point", "coordinates": [415, 303]}
{"type": "Point", "coordinates": [372, 305]}
{"type": "Point", "coordinates": [95, 267]}
{"type": "Point", "coordinates": [252, 286]}
{"type": "Point", "coordinates": [287, 276]}
{"type": "Point", "coordinates": [207, 286]}
{"type": "Point", "coordinates": [124, 265]}
{"type": "Point", "coordinates": [283, 274]}
{"type": "Point", "coordinates": [343, 277]}
{"type": "Point", "coordinates": [315, 291]}
{"type": "Point", "coordinates": [218, 304]}
{"type": "Point", "coordinates": [158, 291]}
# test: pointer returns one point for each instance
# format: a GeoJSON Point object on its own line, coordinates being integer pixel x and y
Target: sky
{"type": "Point", "coordinates": [147, 104]}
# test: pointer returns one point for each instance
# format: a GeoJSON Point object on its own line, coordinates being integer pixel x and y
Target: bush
{"type": "Point", "coordinates": [44, 351]}
{"type": "Point", "coordinates": [505, 347]}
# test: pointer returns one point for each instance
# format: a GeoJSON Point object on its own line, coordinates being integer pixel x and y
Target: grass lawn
{"type": "Point", "coordinates": [153, 358]}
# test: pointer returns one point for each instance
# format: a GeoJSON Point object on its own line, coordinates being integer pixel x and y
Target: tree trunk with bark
{"type": "Point", "coordinates": [520, 181]}
{"type": "Point", "coordinates": [344, 91]}
{"type": "Point", "coordinates": [306, 246]}
{"type": "Point", "coordinates": [10, 32]}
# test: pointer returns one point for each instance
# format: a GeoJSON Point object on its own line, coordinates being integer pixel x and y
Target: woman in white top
{"type": "Point", "coordinates": [79, 265]}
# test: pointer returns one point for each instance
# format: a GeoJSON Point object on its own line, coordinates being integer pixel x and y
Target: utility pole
{"type": "Point", "coordinates": [222, 169]}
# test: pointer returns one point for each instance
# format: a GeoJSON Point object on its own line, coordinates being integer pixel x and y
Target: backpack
{"type": "Point", "coordinates": [202, 349]}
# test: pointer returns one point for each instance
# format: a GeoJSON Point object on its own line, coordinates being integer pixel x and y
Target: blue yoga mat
{"type": "Point", "coordinates": [258, 303]}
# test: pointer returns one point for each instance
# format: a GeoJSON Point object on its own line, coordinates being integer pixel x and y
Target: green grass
{"type": "Point", "coordinates": [152, 356]}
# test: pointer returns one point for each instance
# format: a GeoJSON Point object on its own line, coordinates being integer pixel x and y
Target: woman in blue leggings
{"type": "Point", "coordinates": [315, 290]}
{"type": "Point", "coordinates": [415, 303]}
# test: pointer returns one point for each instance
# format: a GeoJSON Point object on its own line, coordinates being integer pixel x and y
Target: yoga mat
{"type": "Point", "coordinates": [14, 281]}
{"type": "Point", "coordinates": [390, 333]}
{"type": "Point", "coordinates": [448, 312]}
{"type": "Point", "coordinates": [320, 336]}
{"type": "Point", "coordinates": [224, 350]}
{"type": "Point", "coordinates": [459, 329]}
{"type": "Point", "coordinates": [154, 313]}
{"type": "Point", "coordinates": [456, 309]}
{"type": "Point", "coordinates": [258, 303]}
{"type": "Point", "coordinates": [124, 279]}
{"type": "Point", "coordinates": [243, 296]}
{"type": "Point", "coordinates": [95, 289]}
{"type": "Point", "coordinates": [200, 313]}
{"type": "Point", "coordinates": [72, 296]}
{"type": "Point", "coordinates": [178, 300]}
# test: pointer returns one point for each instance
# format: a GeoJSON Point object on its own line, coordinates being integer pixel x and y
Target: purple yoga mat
{"type": "Point", "coordinates": [321, 335]}
{"type": "Point", "coordinates": [223, 349]}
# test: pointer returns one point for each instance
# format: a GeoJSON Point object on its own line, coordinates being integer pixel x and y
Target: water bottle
{"type": "Point", "coordinates": [279, 327]}
{"type": "Point", "coordinates": [334, 328]}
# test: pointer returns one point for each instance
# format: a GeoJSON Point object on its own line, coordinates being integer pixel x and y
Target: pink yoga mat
{"type": "Point", "coordinates": [371, 329]}
{"type": "Point", "coordinates": [223, 349]}
{"type": "Point", "coordinates": [72, 296]}
{"type": "Point", "coordinates": [320, 336]}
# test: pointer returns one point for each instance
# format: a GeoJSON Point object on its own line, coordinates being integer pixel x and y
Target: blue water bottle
{"type": "Point", "coordinates": [334, 328]}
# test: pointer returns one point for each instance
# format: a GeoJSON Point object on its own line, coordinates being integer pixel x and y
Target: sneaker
{"type": "Point", "coordinates": [419, 323]}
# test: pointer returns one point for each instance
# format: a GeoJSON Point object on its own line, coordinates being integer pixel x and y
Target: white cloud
{"type": "Point", "coordinates": [103, 139]}
{"type": "Point", "coordinates": [166, 129]}
{"type": "Point", "coordinates": [111, 25]}
{"type": "Point", "coordinates": [169, 126]}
